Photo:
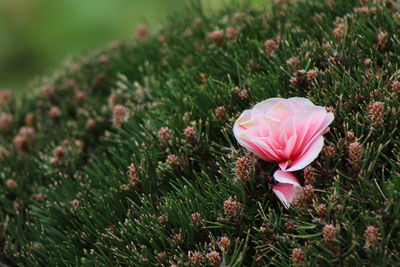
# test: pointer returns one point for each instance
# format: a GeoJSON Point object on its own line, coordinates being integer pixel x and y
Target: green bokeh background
{"type": "Point", "coordinates": [37, 35]}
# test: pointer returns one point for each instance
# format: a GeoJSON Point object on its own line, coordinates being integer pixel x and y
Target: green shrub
{"type": "Point", "coordinates": [130, 158]}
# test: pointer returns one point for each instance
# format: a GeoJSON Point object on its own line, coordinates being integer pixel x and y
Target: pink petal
{"type": "Point", "coordinates": [264, 106]}
{"type": "Point", "coordinates": [281, 110]}
{"type": "Point", "coordinates": [319, 123]}
{"type": "Point", "coordinates": [308, 156]}
{"type": "Point", "coordinates": [323, 127]}
{"type": "Point", "coordinates": [239, 128]}
{"type": "Point", "coordinates": [286, 177]}
{"type": "Point", "coordinates": [254, 147]}
{"type": "Point", "coordinates": [287, 129]}
{"type": "Point", "coordinates": [265, 145]}
{"type": "Point", "coordinates": [300, 102]}
{"type": "Point", "coordinates": [267, 126]}
{"type": "Point", "coordinates": [283, 165]}
{"type": "Point", "coordinates": [308, 127]}
{"type": "Point", "coordinates": [287, 152]}
{"type": "Point", "coordinates": [286, 193]}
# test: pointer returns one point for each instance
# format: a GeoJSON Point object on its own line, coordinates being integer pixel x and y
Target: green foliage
{"type": "Point", "coordinates": [165, 184]}
{"type": "Point", "coordinates": [36, 35]}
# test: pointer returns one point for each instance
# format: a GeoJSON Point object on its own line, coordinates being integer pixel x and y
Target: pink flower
{"type": "Point", "coordinates": [287, 188]}
{"type": "Point", "coordinates": [286, 131]}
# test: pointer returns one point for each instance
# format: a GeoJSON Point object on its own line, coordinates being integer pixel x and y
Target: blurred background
{"type": "Point", "coordinates": [37, 35]}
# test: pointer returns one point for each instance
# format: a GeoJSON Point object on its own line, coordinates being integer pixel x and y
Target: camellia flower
{"type": "Point", "coordinates": [286, 131]}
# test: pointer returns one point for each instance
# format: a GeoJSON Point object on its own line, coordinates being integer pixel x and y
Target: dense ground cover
{"type": "Point", "coordinates": [127, 157]}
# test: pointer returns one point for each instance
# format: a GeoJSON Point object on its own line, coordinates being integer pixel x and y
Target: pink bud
{"type": "Point", "coordinates": [11, 183]}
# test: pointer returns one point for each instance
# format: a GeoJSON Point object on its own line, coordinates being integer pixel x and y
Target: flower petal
{"type": "Point", "coordinates": [308, 156]}
{"type": "Point", "coordinates": [286, 193]}
{"type": "Point", "coordinates": [300, 102]}
{"type": "Point", "coordinates": [286, 177]}
{"type": "Point", "coordinates": [264, 106]}
{"type": "Point", "coordinates": [265, 145]}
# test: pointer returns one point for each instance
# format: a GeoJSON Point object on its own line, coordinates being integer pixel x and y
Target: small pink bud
{"type": "Point", "coordinates": [270, 46]}
{"type": "Point", "coordinates": [48, 91]}
{"type": "Point", "coordinates": [17, 206]}
{"type": "Point", "coordinates": [6, 121]}
{"type": "Point", "coordinates": [133, 175]}
{"type": "Point", "coordinates": [197, 258]}
{"type": "Point", "coordinates": [54, 161]}
{"type": "Point", "coordinates": [377, 112]}
{"type": "Point", "coordinates": [11, 183]}
{"type": "Point", "coordinates": [232, 208]}
{"type": "Point", "coordinates": [231, 32]}
{"type": "Point", "coordinates": [305, 196]}
{"type": "Point", "coordinates": [383, 41]}
{"type": "Point", "coordinates": [188, 59]}
{"type": "Point", "coordinates": [196, 219]}
{"type": "Point", "coordinates": [329, 151]}
{"type": "Point", "coordinates": [90, 124]}
{"type": "Point", "coordinates": [372, 236]}
{"type": "Point", "coordinates": [309, 175]}
{"type": "Point", "coordinates": [350, 136]}
{"type": "Point", "coordinates": [339, 31]}
{"type": "Point", "coordinates": [294, 62]}
{"type": "Point", "coordinates": [219, 113]}
{"type": "Point", "coordinates": [39, 196]}
{"type": "Point", "coordinates": [165, 133]}
{"type": "Point", "coordinates": [5, 99]}
{"type": "Point", "coordinates": [243, 94]}
{"type": "Point", "coordinates": [312, 75]}
{"type": "Point", "coordinates": [5, 96]}
{"type": "Point", "coordinates": [116, 45]}
{"type": "Point", "coordinates": [163, 39]}
{"type": "Point", "coordinates": [322, 211]}
{"type": "Point", "coordinates": [120, 115]}
{"type": "Point", "coordinates": [142, 32]}
{"type": "Point", "coordinates": [214, 258]}
{"type": "Point", "coordinates": [367, 62]}
{"type": "Point", "coordinates": [3, 153]}
{"type": "Point", "coordinates": [27, 132]}
{"type": "Point", "coordinates": [217, 36]}
{"type": "Point", "coordinates": [113, 100]}
{"type": "Point", "coordinates": [163, 219]}
{"type": "Point", "coordinates": [54, 113]}
{"type": "Point", "coordinates": [330, 109]}
{"type": "Point", "coordinates": [395, 87]}
{"type": "Point", "coordinates": [103, 59]}
{"type": "Point", "coordinates": [186, 117]}
{"type": "Point", "coordinates": [161, 255]}
{"type": "Point", "coordinates": [355, 155]}
{"type": "Point", "coordinates": [30, 120]}
{"type": "Point", "coordinates": [20, 143]}
{"type": "Point", "coordinates": [329, 233]}
{"type": "Point", "coordinates": [59, 152]}
{"type": "Point", "coordinates": [173, 159]}
{"type": "Point", "coordinates": [297, 256]}
{"type": "Point", "coordinates": [179, 237]}
{"type": "Point", "coordinates": [365, 9]}
{"type": "Point", "coordinates": [189, 133]}
{"type": "Point", "coordinates": [74, 203]}
{"type": "Point", "coordinates": [225, 243]}
{"type": "Point", "coordinates": [202, 77]}
{"type": "Point", "coordinates": [80, 97]}
{"type": "Point", "coordinates": [243, 168]}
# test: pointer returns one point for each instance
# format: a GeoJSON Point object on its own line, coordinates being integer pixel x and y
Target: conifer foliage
{"type": "Point", "coordinates": [127, 158]}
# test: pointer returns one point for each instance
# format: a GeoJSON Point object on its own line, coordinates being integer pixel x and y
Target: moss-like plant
{"type": "Point", "coordinates": [127, 158]}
